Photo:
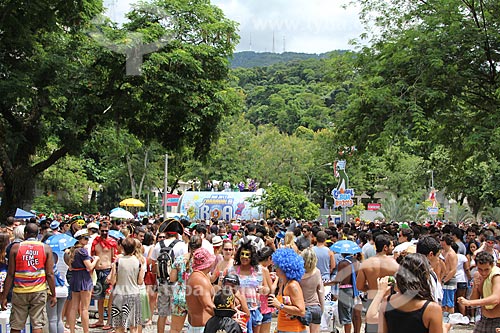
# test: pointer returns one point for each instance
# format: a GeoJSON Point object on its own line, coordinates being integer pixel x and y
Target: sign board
{"type": "Point", "coordinates": [206, 205]}
{"type": "Point", "coordinates": [432, 210]}
{"type": "Point", "coordinates": [374, 206]}
{"type": "Point", "coordinates": [172, 200]}
{"type": "Point", "coordinates": [343, 197]}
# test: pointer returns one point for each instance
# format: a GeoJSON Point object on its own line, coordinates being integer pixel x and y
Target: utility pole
{"type": "Point", "coordinates": [165, 189]}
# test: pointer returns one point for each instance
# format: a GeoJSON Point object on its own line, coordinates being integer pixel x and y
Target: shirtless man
{"type": "Point", "coordinates": [449, 280]}
{"type": "Point", "coordinates": [199, 291]}
{"type": "Point", "coordinates": [376, 267]}
{"type": "Point", "coordinates": [106, 249]}
{"type": "Point", "coordinates": [485, 293]}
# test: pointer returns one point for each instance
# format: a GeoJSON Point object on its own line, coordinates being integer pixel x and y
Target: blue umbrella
{"type": "Point", "coordinates": [116, 234]}
{"type": "Point", "coordinates": [345, 246]}
{"type": "Point", "coordinates": [60, 242]}
{"type": "Point", "coordinates": [115, 209]}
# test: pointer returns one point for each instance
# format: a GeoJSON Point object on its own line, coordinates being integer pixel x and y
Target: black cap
{"type": "Point", "coordinates": [232, 278]}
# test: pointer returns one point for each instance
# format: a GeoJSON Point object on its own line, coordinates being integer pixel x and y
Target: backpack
{"type": "Point", "coordinates": [165, 260]}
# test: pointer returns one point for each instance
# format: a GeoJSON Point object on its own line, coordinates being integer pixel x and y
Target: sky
{"type": "Point", "coordinates": [309, 26]}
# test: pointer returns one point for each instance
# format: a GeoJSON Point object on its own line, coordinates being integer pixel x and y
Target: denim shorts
{"type": "Point", "coordinates": [267, 318]}
{"type": "Point", "coordinates": [313, 314]}
{"type": "Point", "coordinates": [255, 320]}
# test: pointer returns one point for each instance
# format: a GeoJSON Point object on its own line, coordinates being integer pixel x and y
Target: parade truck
{"type": "Point", "coordinates": [204, 205]}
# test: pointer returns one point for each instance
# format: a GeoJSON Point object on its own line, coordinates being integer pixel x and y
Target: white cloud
{"type": "Point", "coordinates": [310, 26]}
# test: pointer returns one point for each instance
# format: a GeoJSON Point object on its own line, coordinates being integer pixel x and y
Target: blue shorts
{"type": "Point", "coordinates": [255, 320]}
{"type": "Point", "coordinates": [267, 318]}
{"type": "Point", "coordinates": [448, 297]}
{"type": "Point", "coordinates": [313, 314]}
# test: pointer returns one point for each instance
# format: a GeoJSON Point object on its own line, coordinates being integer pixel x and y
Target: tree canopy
{"type": "Point", "coordinates": [58, 82]}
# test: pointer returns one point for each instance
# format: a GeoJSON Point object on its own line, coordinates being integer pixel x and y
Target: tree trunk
{"type": "Point", "coordinates": [131, 176]}
{"type": "Point", "coordinates": [18, 190]}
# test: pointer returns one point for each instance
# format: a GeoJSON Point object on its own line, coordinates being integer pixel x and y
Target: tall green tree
{"type": "Point", "coordinates": [429, 83]}
{"type": "Point", "coordinates": [61, 82]}
{"type": "Point", "coordinates": [283, 202]}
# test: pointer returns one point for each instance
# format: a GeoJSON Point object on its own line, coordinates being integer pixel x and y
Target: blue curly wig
{"type": "Point", "coordinates": [290, 263]}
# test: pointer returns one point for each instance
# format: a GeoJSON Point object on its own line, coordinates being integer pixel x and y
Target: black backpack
{"type": "Point", "coordinates": [165, 260]}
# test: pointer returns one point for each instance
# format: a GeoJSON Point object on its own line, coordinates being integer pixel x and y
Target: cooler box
{"type": "Point", "coordinates": [5, 326]}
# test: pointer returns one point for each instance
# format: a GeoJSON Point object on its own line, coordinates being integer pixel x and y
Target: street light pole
{"type": "Point", "coordinates": [432, 177]}
{"type": "Point", "coordinates": [165, 188]}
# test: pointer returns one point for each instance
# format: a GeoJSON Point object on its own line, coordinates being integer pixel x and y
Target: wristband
{"type": "Point", "coordinates": [282, 306]}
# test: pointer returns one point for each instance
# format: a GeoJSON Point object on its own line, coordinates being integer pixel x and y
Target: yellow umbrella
{"type": "Point", "coordinates": [132, 202]}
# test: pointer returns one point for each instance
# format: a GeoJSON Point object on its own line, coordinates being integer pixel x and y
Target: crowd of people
{"type": "Point", "coordinates": [208, 276]}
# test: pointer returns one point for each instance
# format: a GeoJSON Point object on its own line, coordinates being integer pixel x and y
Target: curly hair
{"type": "Point", "coordinates": [253, 254]}
{"type": "Point", "coordinates": [290, 263]}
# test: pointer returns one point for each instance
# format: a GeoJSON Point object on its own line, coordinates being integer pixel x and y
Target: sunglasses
{"type": "Point", "coordinates": [161, 237]}
{"type": "Point", "coordinates": [227, 249]}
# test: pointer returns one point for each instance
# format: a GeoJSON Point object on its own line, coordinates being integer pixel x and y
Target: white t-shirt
{"type": "Point", "coordinates": [208, 246]}
{"type": "Point", "coordinates": [402, 247]}
{"type": "Point", "coordinates": [179, 249]}
{"type": "Point", "coordinates": [460, 274]}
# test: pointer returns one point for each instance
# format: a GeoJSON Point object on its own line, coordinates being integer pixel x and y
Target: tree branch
{"type": "Point", "coordinates": [53, 158]}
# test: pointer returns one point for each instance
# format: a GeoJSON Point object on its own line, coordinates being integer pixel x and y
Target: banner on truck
{"type": "Point", "coordinates": [218, 205]}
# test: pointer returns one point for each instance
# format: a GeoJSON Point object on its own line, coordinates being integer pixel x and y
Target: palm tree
{"type": "Point", "coordinates": [459, 213]}
{"type": "Point", "coordinates": [397, 208]}
{"type": "Point", "coordinates": [492, 213]}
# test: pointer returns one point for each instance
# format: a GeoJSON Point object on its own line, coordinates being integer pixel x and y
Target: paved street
{"type": "Point", "coordinates": [152, 328]}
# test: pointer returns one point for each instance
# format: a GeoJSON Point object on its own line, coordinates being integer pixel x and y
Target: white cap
{"type": "Point", "coordinates": [81, 233]}
{"type": "Point", "coordinates": [92, 225]}
{"type": "Point", "coordinates": [216, 241]}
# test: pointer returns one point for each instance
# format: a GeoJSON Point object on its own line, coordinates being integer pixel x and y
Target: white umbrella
{"type": "Point", "coordinates": [121, 214]}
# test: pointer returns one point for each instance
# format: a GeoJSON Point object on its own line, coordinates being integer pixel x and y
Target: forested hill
{"type": "Point", "coordinates": [249, 59]}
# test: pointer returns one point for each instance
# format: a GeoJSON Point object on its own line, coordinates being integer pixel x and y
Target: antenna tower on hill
{"type": "Point", "coordinates": [274, 49]}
